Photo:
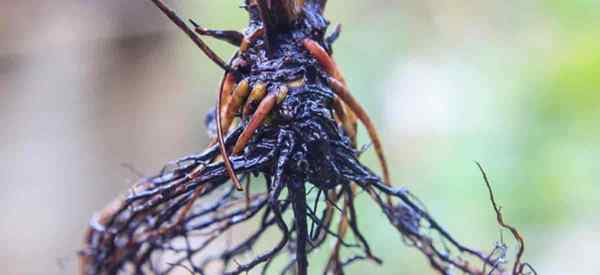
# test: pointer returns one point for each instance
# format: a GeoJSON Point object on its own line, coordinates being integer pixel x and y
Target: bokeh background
{"type": "Point", "coordinates": [90, 88]}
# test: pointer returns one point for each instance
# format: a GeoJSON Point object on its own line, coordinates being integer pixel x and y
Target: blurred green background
{"type": "Point", "coordinates": [87, 86]}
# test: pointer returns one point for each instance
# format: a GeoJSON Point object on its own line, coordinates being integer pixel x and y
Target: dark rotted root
{"type": "Point", "coordinates": [142, 233]}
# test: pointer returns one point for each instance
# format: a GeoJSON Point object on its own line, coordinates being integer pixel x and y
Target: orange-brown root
{"type": "Point", "coordinates": [340, 88]}
{"type": "Point", "coordinates": [248, 40]}
{"type": "Point", "coordinates": [324, 59]}
{"type": "Point", "coordinates": [332, 69]}
{"type": "Point", "coordinates": [227, 90]}
{"type": "Point", "coordinates": [282, 93]}
{"type": "Point", "coordinates": [225, 95]}
{"type": "Point", "coordinates": [362, 115]}
{"type": "Point", "coordinates": [346, 117]}
{"type": "Point", "coordinates": [258, 93]}
{"type": "Point", "coordinates": [264, 108]}
{"type": "Point", "coordinates": [220, 139]}
{"type": "Point", "coordinates": [235, 102]}
{"type": "Point", "coordinates": [296, 83]}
